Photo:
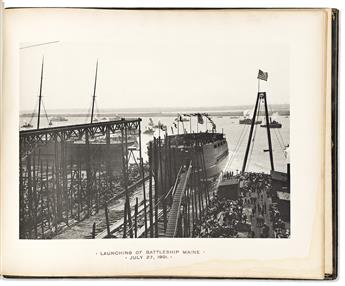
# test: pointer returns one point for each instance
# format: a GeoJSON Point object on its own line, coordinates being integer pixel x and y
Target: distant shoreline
{"type": "Point", "coordinates": [154, 114]}
{"type": "Point", "coordinates": [161, 111]}
{"type": "Point", "coordinates": [281, 109]}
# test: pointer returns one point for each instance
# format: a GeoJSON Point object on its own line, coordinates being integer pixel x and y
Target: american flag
{"type": "Point", "coordinates": [262, 75]}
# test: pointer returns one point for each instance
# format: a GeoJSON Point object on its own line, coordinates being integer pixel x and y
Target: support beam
{"type": "Point", "coordinates": [250, 133]}
{"type": "Point", "coordinates": [151, 188]}
{"type": "Point", "coordinates": [40, 97]}
{"type": "Point", "coordinates": [268, 131]}
{"type": "Point", "coordinates": [143, 179]}
{"type": "Point", "coordinates": [94, 93]}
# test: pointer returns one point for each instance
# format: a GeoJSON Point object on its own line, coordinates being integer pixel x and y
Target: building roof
{"type": "Point", "coordinates": [279, 176]}
{"type": "Point", "coordinates": [283, 196]}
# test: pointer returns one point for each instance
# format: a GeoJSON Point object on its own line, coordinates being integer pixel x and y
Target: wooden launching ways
{"type": "Point", "coordinates": [176, 195]}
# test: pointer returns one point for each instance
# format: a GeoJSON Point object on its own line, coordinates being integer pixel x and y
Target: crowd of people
{"type": "Point", "coordinates": [279, 226]}
{"type": "Point", "coordinates": [255, 190]}
{"type": "Point", "coordinates": [252, 213]}
{"type": "Point", "coordinates": [222, 218]}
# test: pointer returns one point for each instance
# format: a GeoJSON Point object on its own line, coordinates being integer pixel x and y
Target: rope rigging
{"type": "Point", "coordinates": [33, 113]}
{"type": "Point", "coordinates": [88, 114]}
{"type": "Point", "coordinates": [278, 136]}
{"type": "Point", "coordinates": [45, 112]}
{"type": "Point", "coordinates": [243, 134]}
{"type": "Point", "coordinates": [281, 147]}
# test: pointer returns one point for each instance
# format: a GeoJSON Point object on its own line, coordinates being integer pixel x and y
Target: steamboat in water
{"type": "Point", "coordinates": [247, 118]}
{"type": "Point", "coordinates": [273, 123]}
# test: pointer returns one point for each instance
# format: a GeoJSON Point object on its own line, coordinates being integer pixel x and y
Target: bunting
{"type": "Point", "coordinates": [214, 127]}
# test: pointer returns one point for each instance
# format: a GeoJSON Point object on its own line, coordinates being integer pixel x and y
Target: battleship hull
{"type": "Point", "coordinates": [215, 158]}
{"type": "Point", "coordinates": [212, 151]}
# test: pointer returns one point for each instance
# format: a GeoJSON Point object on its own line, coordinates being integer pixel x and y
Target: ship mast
{"type": "Point", "coordinates": [94, 93]}
{"type": "Point", "coordinates": [40, 97]}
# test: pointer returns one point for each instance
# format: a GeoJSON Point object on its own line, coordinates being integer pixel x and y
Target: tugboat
{"type": "Point", "coordinates": [272, 124]}
{"type": "Point", "coordinates": [248, 121]}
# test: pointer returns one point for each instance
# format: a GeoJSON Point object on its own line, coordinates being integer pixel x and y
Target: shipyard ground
{"type": "Point", "coordinates": [252, 215]}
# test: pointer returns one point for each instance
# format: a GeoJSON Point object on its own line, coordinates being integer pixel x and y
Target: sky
{"type": "Point", "coordinates": [205, 63]}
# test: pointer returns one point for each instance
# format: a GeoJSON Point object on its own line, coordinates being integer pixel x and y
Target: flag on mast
{"type": "Point", "coordinates": [262, 75]}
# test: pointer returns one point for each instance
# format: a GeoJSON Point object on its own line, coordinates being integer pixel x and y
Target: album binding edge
{"type": "Point", "coordinates": [334, 139]}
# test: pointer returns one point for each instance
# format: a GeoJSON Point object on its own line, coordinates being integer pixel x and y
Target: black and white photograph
{"type": "Point", "coordinates": [153, 139]}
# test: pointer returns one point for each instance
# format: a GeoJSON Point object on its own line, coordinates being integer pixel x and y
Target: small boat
{"type": "Point", "coordinates": [149, 131]}
{"type": "Point", "coordinates": [272, 124]}
{"type": "Point", "coordinates": [248, 121]}
{"type": "Point", "coordinates": [50, 123]}
{"type": "Point", "coordinates": [151, 123]}
{"type": "Point", "coordinates": [59, 118]}
{"type": "Point", "coordinates": [27, 125]}
{"type": "Point", "coordinates": [247, 118]}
